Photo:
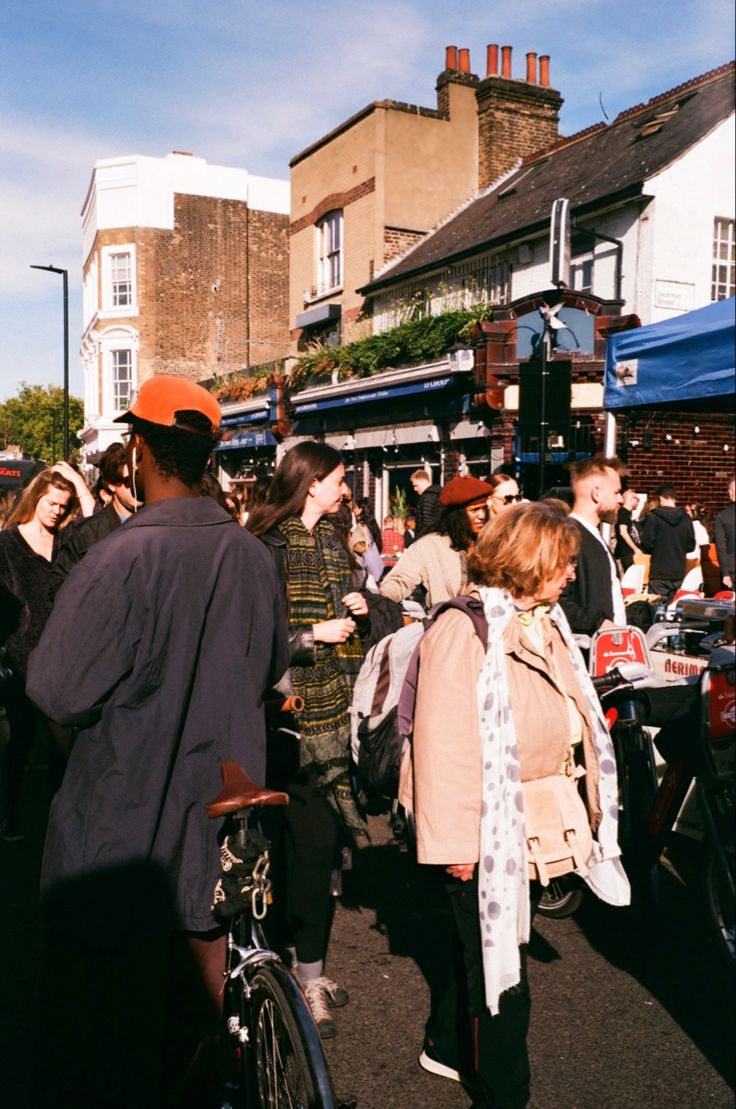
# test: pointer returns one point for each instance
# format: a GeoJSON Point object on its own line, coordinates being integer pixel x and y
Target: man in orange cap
{"type": "Point", "coordinates": [161, 646]}
{"type": "Point", "coordinates": [439, 561]}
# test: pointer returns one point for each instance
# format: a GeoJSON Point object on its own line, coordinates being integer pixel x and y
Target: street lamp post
{"type": "Point", "coordinates": [65, 279]}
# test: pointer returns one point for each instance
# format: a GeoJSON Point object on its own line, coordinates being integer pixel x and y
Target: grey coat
{"type": "Point", "coordinates": [160, 648]}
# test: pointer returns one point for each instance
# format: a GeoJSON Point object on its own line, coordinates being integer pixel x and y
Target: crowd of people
{"type": "Point", "coordinates": [149, 633]}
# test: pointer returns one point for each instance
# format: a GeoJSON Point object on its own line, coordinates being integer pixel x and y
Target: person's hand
{"type": "Point", "coordinates": [728, 581]}
{"type": "Point", "coordinates": [334, 631]}
{"type": "Point", "coordinates": [84, 494]}
{"type": "Point", "coordinates": [356, 603]}
{"type": "Point", "coordinates": [605, 625]}
{"type": "Point", "coordinates": [463, 871]}
{"type": "Point", "coordinates": [67, 471]}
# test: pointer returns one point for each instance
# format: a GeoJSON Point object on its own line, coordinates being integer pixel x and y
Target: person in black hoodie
{"type": "Point", "coordinates": [668, 536]}
{"type": "Point", "coordinates": [428, 506]}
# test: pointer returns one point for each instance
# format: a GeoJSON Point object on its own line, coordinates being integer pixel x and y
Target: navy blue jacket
{"type": "Point", "coordinates": [161, 646]}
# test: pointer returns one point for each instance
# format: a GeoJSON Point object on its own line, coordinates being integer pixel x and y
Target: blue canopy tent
{"type": "Point", "coordinates": [685, 362]}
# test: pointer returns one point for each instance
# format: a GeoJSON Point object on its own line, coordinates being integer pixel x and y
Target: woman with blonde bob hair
{"type": "Point", "coordinates": [485, 721]}
{"type": "Point", "coordinates": [29, 544]}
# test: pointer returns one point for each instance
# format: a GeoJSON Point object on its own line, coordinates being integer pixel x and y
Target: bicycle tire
{"type": "Point", "coordinates": [560, 899]}
{"type": "Point", "coordinates": [289, 1070]}
{"type": "Point", "coordinates": [719, 904]}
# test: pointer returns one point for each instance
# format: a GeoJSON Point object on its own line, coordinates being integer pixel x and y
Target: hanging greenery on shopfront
{"type": "Point", "coordinates": [410, 344]}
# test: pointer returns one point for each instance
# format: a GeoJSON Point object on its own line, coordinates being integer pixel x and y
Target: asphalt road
{"type": "Point", "coordinates": [623, 1014]}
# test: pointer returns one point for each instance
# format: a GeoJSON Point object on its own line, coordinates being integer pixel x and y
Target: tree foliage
{"type": "Point", "coordinates": [34, 421]}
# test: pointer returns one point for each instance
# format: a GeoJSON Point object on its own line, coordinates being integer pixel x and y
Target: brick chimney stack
{"type": "Point", "coordinates": [456, 72]}
{"type": "Point", "coordinates": [515, 117]}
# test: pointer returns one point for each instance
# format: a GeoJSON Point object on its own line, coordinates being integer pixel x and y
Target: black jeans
{"type": "Point", "coordinates": [495, 1046]}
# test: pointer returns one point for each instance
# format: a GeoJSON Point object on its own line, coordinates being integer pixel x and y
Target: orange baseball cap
{"type": "Point", "coordinates": [161, 397]}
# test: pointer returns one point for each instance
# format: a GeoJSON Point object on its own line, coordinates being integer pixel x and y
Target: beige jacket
{"type": "Point", "coordinates": [441, 772]}
{"type": "Point", "coordinates": [430, 562]}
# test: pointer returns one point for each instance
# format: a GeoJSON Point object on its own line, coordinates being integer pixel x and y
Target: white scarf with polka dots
{"type": "Point", "coordinates": [503, 886]}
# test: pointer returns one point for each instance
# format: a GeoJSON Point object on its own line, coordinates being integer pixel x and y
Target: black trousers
{"type": "Point", "coordinates": [310, 838]}
{"type": "Point", "coordinates": [494, 1046]}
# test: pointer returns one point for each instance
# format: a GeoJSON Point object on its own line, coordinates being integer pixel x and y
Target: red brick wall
{"type": "Point", "coordinates": [398, 239]}
{"type": "Point", "coordinates": [211, 287]}
{"type": "Point", "coordinates": [696, 465]}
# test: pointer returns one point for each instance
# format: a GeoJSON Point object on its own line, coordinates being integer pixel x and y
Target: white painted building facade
{"type": "Point", "coordinates": [677, 249]}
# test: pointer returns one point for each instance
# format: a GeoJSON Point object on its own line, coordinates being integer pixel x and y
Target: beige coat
{"type": "Point", "coordinates": [441, 772]}
{"type": "Point", "coordinates": [430, 562]}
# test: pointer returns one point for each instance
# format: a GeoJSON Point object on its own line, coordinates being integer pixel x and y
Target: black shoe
{"type": "Point", "coordinates": [11, 830]}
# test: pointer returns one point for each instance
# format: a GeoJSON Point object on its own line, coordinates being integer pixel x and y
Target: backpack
{"type": "Point", "coordinates": [382, 709]}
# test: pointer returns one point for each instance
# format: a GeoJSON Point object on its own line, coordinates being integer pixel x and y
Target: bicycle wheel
{"type": "Point", "coordinates": [561, 898]}
{"type": "Point", "coordinates": [719, 903]}
{"type": "Point", "coordinates": [289, 1068]}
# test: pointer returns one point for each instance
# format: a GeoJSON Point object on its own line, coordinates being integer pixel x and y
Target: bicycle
{"type": "Point", "coordinates": [648, 810]}
{"type": "Point", "coordinates": [274, 1057]}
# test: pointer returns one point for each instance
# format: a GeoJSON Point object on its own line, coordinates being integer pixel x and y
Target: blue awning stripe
{"type": "Point", "coordinates": [370, 396]}
{"type": "Point", "coordinates": [261, 416]}
{"type": "Point", "coordinates": [248, 440]}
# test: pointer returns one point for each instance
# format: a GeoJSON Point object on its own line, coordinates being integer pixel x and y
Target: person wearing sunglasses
{"type": "Point", "coordinates": [505, 492]}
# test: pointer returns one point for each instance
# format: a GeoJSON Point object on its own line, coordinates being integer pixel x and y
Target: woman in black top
{"type": "Point", "coordinates": [29, 543]}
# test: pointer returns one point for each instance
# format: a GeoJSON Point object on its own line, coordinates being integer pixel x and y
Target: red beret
{"type": "Point", "coordinates": [464, 490]}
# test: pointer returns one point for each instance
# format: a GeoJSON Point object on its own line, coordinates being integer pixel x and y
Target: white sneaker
{"type": "Point", "coordinates": [316, 995]}
{"type": "Point", "coordinates": [336, 995]}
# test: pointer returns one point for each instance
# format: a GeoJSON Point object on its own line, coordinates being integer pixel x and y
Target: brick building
{"type": "Point", "coordinates": [374, 186]}
{"type": "Point", "coordinates": [651, 197]}
{"type": "Point", "coordinates": [185, 272]}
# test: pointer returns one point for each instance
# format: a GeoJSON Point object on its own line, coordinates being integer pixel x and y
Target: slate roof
{"type": "Point", "coordinates": [602, 165]}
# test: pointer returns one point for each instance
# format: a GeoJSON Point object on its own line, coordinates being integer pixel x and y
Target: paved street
{"type": "Point", "coordinates": [620, 1017]}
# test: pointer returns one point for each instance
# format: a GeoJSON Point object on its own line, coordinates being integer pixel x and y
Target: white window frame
{"type": "Point", "coordinates": [723, 261]}
{"type": "Point", "coordinates": [329, 253]}
{"type": "Point", "coordinates": [121, 358]}
{"type": "Point", "coordinates": [112, 341]}
{"type": "Point", "coordinates": [108, 308]}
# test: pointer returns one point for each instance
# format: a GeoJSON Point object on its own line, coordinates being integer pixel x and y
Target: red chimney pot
{"type": "Point", "coordinates": [505, 61]}
{"type": "Point", "coordinates": [463, 57]}
{"type": "Point", "coordinates": [492, 60]}
{"type": "Point", "coordinates": [544, 70]}
{"type": "Point", "coordinates": [531, 68]}
{"type": "Point", "coordinates": [451, 57]}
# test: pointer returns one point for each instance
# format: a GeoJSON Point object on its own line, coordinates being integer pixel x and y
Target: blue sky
{"type": "Point", "coordinates": [249, 85]}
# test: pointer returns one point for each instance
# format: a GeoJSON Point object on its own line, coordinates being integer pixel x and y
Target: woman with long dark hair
{"type": "Point", "coordinates": [326, 616]}
{"type": "Point", "coordinates": [29, 544]}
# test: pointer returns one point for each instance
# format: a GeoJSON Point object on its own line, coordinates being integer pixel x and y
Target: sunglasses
{"type": "Point", "coordinates": [508, 498]}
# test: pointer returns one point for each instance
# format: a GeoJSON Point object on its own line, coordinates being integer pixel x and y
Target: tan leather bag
{"type": "Point", "coordinates": [558, 836]}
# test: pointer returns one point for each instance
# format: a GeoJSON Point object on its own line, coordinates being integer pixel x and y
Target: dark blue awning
{"type": "Point", "coordinates": [260, 416]}
{"type": "Point", "coordinates": [370, 396]}
{"type": "Point", "coordinates": [248, 440]}
{"type": "Point", "coordinates": [685, 358]}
